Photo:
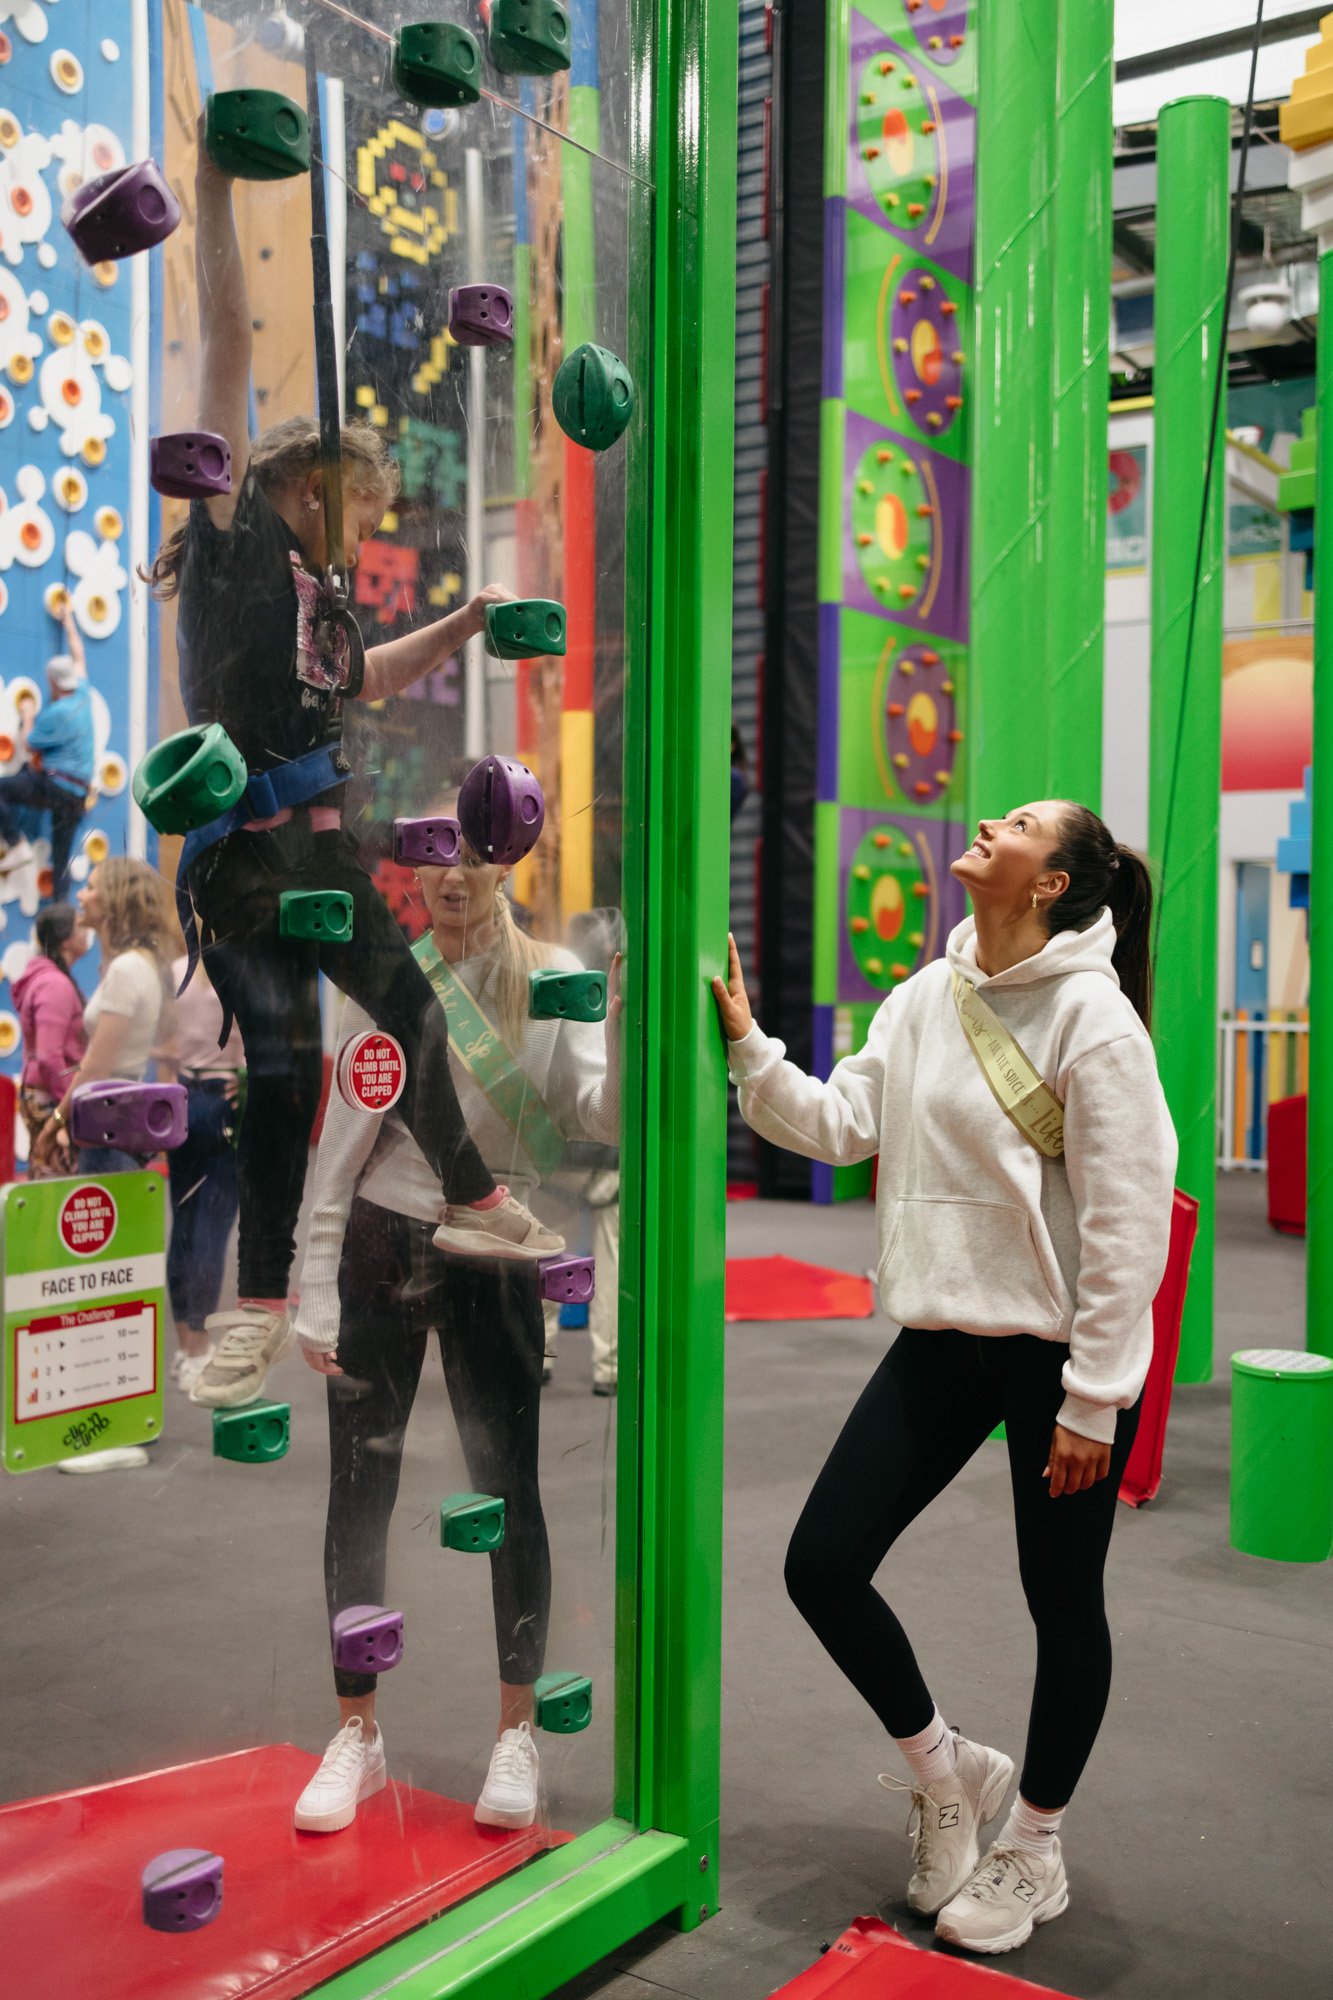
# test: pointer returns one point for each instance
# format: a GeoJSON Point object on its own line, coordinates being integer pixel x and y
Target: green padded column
{"type": "Point", "coordinates": [1076, 547]}
{"type": "Point", "coordinates": [1185, 754]}
{"type": "Point", "coordinates": [1319, 1151]}
{"type": "Point", "coordinates": [1282, 1455]}
{"type": "Point", "coordinates": [1009, 678]}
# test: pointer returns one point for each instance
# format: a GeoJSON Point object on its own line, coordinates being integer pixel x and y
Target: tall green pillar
{"type": "Point", "coordinates": [1076, 543]}
{"type": "Point", "coordinates": [1008, 676]}
{"type": "Point", "coordinates": [1319, 1218]}
{"type": "Point", "coordinates": [1185, 756]}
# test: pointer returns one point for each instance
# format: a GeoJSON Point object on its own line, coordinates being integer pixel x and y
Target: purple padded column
{"type": "Point", "coordinates": [502, 809]}
{"type": "Point", "coordinates": [182, 1889]}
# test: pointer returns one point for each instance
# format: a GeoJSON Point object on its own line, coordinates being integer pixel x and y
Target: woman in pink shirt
{"type": "Point", "coordinates": [50, 1009]}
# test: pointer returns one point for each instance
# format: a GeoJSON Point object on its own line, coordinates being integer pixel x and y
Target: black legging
{"type": "Point", "coordinates": [271, 984]}
{"type": "Point", "coordinates": [932, 1401]}
{"type": "Point", "coordinates": [394, 1288]}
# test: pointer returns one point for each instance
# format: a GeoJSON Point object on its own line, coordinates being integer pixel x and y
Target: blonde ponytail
{"type": "Point", "coordinates": [515, 956]}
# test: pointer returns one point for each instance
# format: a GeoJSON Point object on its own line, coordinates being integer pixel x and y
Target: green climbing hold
{"type": "Point", "coordinates": [189, 779]}
{"type": "Point", "coordinates": [567, 996]}
{"type": "Point", "coordinates": [254, 1435]}
{"type": "Point", "coordinates": [524, 626]}
{"type": "Point", "coordinates": [437, 63]}
{"type": "Point", "coordinates": [321, 914]}
{"type": "Point", "coordinates": [473, 1523]}
{"type": "Point", "coordinates": [257, 135]}
{"type": "Point", "coordinates": [593, 397]}
{"type": "Point", "coordinates": [564, 1703]}
{"type": "Point", "coordinates": [529, 37]}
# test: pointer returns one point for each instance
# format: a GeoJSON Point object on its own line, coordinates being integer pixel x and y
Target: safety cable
{"type": "Point", "coordinates": [1219, 384]}
{"type": "Point", "coordinates": [326, 352]}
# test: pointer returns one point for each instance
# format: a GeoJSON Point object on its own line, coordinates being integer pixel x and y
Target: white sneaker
{"type": "Point", "coordinates": [1012, 1891]}
{"type": "Point", "coordinates": [509, 1795]}
{"type": "Point", "coordinates": [350, 1771]}
{"type": "Point", "coordinates": [508, 1231]}
{"type": "Point", "coordinates": [251, 1340]}
{"type": "Point", "coordinates": [945, 1820]}
{"type": "Point", "coordinates": [187, 1368]}
{"type": "Point", "coordinates": [17, 856]}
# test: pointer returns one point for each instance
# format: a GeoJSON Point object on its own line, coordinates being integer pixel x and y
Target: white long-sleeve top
{"type": "Point", "coordinates": [977, 1229]}
{"type": "Point", "coordinates": [372, 1155]}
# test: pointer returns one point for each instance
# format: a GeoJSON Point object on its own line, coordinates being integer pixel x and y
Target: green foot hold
{"type": "Point", "coordinates": [529, 37]}
{"type": "Point", "coordinates": [437, 63]}
{"type": "Point", "coordinates": [567, 996]}
{"type": "Point", "coordinates": [564, 1703]}
{"type": "Point", "coordinates": [315, 913]}
{"type": "Point", "coordinates": [257, 135]}
{"type": "Point", "coordinates": [593, 397]}
{"type": "Point", "coordinates": [255, 1435]}
{"type": "Point", "coordinates": [473, 1523]}
{"type": "Point", "coordinates": [189, 779]}
{"type": "Point", "coordinates": [525, 626]}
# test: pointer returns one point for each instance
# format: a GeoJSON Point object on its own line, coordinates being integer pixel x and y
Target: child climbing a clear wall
{"type": "Point", "coordinates": [267, 651]}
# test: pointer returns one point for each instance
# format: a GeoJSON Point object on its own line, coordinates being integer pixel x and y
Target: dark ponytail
{"type": "Point", "coordinates": [54, 928]}
{"type": "Point", "coordinates": [1104, 875]}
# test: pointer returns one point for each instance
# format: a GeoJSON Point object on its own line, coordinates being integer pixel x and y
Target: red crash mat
{"type": "Point", "coordinates": [783, 1288]}
{"type": "Point", "coordinates": [296, 1907]}
{"type": "Point", "coordinates": [872, 1962]}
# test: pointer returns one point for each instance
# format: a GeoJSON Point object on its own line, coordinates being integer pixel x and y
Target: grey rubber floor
{"type": "Point", "coordinates": [175, 1613]}
{"type": "Point", "coordinates": [1198, 1843]}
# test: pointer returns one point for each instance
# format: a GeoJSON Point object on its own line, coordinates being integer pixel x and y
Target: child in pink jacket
{"type": "Point", "coordinates": [50, 1010]}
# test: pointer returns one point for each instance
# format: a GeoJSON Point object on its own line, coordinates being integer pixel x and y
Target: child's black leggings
{"type": "Point", "coordinates": [930, 1404]}
{"type": "Point", "coordinates": [271, 984]}
{"type": "Point", "coordinates": [395, 1288]}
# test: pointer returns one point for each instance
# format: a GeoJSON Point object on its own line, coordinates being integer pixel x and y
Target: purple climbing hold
{"type": "Point", "coordinates": [502, 810]}
{"type": "Point", "coordinates": [189, 465]}
{"type": "Point", "coordinates": [119, 213]}
{"type": "Point", "coordinates": [182, 1889]}
{"type": "Point", "coordinates": [367, 1639]}
{"type": "Point", "coordinates": [427, 843]}
{"type": "Point", "coordinates": [139, 1118]}
{"type": "Point", "coordinates": [569, 1281]}
{"type": "Point", "coordinates": [481, 315]}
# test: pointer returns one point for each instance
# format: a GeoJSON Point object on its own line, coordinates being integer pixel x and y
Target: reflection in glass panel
{"type": "Point", "coordinates": [361, 1590]}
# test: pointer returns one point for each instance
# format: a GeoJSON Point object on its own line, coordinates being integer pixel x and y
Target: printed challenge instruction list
{"type": "Point", "coordinates": [75, 1359]}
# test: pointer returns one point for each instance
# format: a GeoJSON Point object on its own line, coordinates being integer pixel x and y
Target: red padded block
{"type": "Point", "coordinates": [1287, 1124]}
{"type": "Point", "coordinates": [296, 1907]}
{"type": "Point", "coordinates": [784, 1288]}
{"type": "Point", "coordinates": [872, 1962]}
{"type": "Point", "coordinates": [1143, 1473]}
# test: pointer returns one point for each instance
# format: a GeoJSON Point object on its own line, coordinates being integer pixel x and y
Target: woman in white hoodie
{"type": "Point", "coordinates": [374, 1288]}
{"type": "Point", "coordinates": [1026, 1163]}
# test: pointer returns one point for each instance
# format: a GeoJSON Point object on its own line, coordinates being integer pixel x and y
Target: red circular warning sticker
{"type": "Point", "coordinates": [87, 1220]}
{"type": "Point", "coordinates": [372, 1070]}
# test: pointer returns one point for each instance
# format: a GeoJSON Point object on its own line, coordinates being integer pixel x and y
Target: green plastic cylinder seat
{"type": "Point", "coordinates": [1282, 1454]}
{"type": "Point", "coordinates": [257, 135]}
{"type": "Point", "coordinates": [189, 779]}
{"type": "Point", "coordinates": [437, 64]}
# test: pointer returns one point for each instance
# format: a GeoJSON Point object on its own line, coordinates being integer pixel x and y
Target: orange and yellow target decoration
{"type": "Point", "coordinates": [888, 911]}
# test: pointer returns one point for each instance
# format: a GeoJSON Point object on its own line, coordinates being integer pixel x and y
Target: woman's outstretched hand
{"type": "Point", "coordinates": [1075, 1463]}
{"type": "Point", "coordinates": [733, 1003]}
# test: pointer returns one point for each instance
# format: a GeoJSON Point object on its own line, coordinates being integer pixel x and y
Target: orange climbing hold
{"type": "Point", "coordinates": [953, 402]}
{"type": "Point", "coordinates": [906, 591]}
{"type": "Point", "coordinates": [921, 889]}
{"type": "Point", "coordinates": [948, 308]}
{"type": "Point", "coordinates": [925, 511]}
{"type": "Point", "coordinates": [907, 298]}
{"type": "Point", "coordinates": [911, 395]}
{"type": "Point", "coordinates": [930, 659]}
{"type": "Point", "coordinates": [896, 709]}
{"type": "Point", "coordinates": [927, 124]}
{"type": "Point", "coordinates": [915, 208]}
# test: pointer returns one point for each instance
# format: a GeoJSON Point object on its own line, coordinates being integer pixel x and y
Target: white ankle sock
{"type": "Point", "coordinates": [932, 1753]}
{"type": "Point", "coordinates": [1030, 1828]}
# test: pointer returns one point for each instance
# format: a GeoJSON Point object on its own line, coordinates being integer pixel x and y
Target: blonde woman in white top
{"type": "Point", "coordinates": [373, 1287]}
{"type": "Point", "coordinates": [128, 905]}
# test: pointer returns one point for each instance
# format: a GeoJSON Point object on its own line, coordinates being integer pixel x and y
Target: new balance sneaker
{"type": "Point", "coordinates": [351, 1770]}
{"type": "Point", "coordinates": [1012, 1891]}
{"type": "Point", "coordinates": [249, 1342]}
{"type": "Point", "coordinates": [187, 1368]}
{"type": "Point", "coordinates": [508, 1231]}
{"type": "Point", "coordinates": [509, 1795]}
{"type": "Point", "coordinates": [946, 1819]}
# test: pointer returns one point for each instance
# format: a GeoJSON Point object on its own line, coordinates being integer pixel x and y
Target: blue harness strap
{"type": "Point", "coordinates": [267, 793]}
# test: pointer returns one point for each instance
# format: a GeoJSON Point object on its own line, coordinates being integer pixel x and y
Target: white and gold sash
{"type": "Point", "coordinates": [1017, 1088]}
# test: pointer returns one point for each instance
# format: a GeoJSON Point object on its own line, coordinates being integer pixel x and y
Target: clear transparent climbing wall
{"type": "Point", "coordinates": [184, 1605]}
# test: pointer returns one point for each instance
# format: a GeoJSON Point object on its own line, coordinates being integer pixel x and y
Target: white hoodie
{"type": "Point", "coordinates": [977, 1230]}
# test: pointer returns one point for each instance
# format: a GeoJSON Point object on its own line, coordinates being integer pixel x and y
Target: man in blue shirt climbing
{"type": "Point", "coordinates": [58, 775]}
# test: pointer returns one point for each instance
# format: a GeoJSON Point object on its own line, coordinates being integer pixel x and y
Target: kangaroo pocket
{"type": "Point", "coordinates": [969, 1264]}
